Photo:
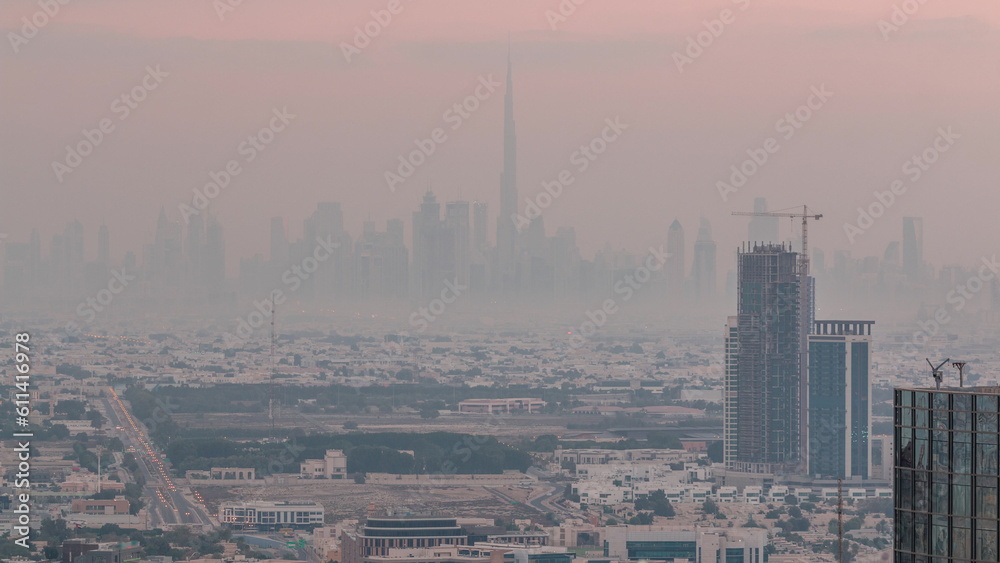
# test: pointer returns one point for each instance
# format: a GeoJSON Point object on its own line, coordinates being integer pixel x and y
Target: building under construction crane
{"type": "Point", "coordinates": [767, 398]}
{"type": "Point", "coordinates": [764, 396]}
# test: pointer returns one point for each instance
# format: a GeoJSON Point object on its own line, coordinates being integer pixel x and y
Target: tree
{"type": "Point", "coordinates": [350, 425]}
{"type": "Point", "coordinates": [96, 419]}
{"type": "Point", "coordinates": [793, 525]}
{"type": "Point", "coordinates": [710, 507]}
{"type": "Point", "coordinates": [641, 519]}
{"type": "Point", "coordinates": [59, 432]}
{"type": "Point", "coordinates": [715, 452]}
{"type": "Point", "coordinates": [657, 502]}
{"type": "Point", "coordinates": [883, 527]}
{"type": "Point", "coordinates": [791, 499]}
{"type": "Point", "coordinates": [74, 410]}
{"type": "Point", "coordinates": [54, 530]}
{"type": "Point", "coordinates": [429, 413]}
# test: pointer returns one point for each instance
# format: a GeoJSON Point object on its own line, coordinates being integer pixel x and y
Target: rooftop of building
{"type": "Point", "coordinates": [976, 390]}
{"type": "Point", "coordinates": [276, 504]}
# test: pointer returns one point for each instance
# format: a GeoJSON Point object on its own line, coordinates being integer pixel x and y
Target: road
{"type": "Point", "coordinates": [168, 504]}
{"type": "Point", "coordinates": [542, 502]}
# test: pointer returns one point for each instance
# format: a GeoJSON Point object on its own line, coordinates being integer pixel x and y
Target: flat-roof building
{"type": "Point", "coordinates": [380, 534]}
{"type": "Point", "coordinates": [271, 514]}
{"type": "Point", "coordinates": [501, 406]}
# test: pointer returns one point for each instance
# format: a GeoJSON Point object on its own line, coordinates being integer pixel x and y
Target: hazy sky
{"type": "Point", "coordinates": [608, 59]}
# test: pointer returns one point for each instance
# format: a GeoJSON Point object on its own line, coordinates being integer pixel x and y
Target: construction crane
{"type": "Point", "coordinates": [805, 216]}
{"type": "Point", "coordinates": [804, 316]}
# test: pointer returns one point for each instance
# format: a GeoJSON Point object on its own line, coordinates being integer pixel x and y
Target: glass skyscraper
{"type": "Point", "coordinates": [839, 399]}
{"type": "Point", "coordinates": [946, 474]}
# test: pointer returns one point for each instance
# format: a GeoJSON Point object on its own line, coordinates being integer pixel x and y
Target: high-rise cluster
{"type": "Point", "coordinates": [796, 389]}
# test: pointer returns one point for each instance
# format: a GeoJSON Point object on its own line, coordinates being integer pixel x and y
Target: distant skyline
{"type": "Point", "coordinates": [353, 120]}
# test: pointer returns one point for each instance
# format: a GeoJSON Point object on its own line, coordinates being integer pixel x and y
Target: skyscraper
{"type": "Point", "coordinates": [440, 247]}
{"type": "Point", "coordinates": [427, 247]}
{"type": "Point", "coordinates": [913, 247]}
{"type": "Point", "coordinates": [946, 474]}
{"type": "Point", "coordinates": [381, 263]}
{"type": "Point", "coordinates": [333, 276]}
{"type": "Point", "coordinates": [507, 254]}
{"type": "Point", "coordinates": [480, 226]}
{"type": "Point", "coordinates": [703, 269]}
{"type": "Point", "coordinates": [164, 258]}
{"type": "Point", "coordinates": [279, 243]}
{"type": "Point", "coordinates": [456, 220]}
{"type": "Point", "coordinates": [839, 399]}
{"type": "Point", "coordinates": [762, 230]}
{"type": "Point", "coordinates": [674, 267]}
{"type": "Point", "coordinates": [479, 265]}
{"type": "Point", "coordinates": [214, 259]}
{"type": "Point", "coordinates": [769, 377]}
{"type": "Point", "coordinates": [730, 397]}
{"type": "Point", "coordinates": [194, 249]}
{"type": "Point", "coordinates": [104, 247]}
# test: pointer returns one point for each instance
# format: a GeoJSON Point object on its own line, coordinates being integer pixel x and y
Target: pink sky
{"type": "Point", "coordinates": [609, 59]}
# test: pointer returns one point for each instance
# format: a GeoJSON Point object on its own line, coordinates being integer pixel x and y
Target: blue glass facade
{"type": "Point", "coordinates": [946, 474]}
{"type": "Point", "coordinates": [839, 410]}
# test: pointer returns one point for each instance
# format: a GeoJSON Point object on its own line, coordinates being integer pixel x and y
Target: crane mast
{"type": "Point", "coordinates": [803, 267]}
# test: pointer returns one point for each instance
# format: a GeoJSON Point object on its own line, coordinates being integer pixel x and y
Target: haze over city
{"type": "Point", "coordinates": [686, 129]}
{"type": "Point", "coordinates": [525, 281]}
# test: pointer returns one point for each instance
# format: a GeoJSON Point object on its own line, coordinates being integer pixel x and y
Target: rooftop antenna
{"type": "Point", "coordinates": [936, 371]}
{"type": "Point", "coordinates": [961, 372]}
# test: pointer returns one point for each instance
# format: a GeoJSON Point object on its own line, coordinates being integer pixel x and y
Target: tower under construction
{"type": "Point", "coordinates": [765, 395]}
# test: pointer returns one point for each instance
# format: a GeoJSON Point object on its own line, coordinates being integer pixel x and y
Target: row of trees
{"type": "Point", "coordinates": [437, 452]}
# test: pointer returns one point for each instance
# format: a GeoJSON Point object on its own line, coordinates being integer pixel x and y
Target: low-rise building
{"type": "Point", "coordinates": [114, 506]}
{"type": "Point", "coordinates": [501, 406]}
{"type": "Point", "coordinates": [271, 514]}
{"type": "Point", "coordinates": [91, 551]}
{"type": "Point", "coordinates": [378, 535]}
{"type": "Point", "coordinates": [649, 543]}
{"type": "Point", "coordinates": [332, 466]}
